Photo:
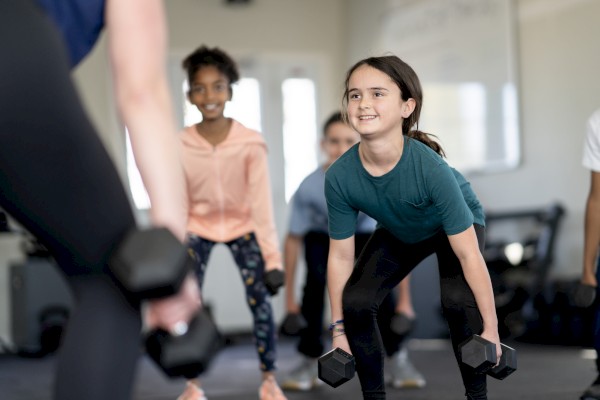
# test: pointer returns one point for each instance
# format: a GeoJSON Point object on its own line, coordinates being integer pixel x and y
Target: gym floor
{"type": "Point", "coordinates": [545, 372]}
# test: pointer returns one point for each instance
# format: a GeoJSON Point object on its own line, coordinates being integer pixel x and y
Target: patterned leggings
{"type": "Point", "coordinates": [248, 258]}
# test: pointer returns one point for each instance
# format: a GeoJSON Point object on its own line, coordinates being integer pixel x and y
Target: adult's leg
{"type": "Point", "coordinates": [101, 344]}
{"type": "Point", "coordinates": [249, 260]}
{"type": "Point", "coordinates": [383, 263]}
{"type": "Point", "coordinates": [316, 249]}
{"type": "Point", "coordinates": [460, 309]}
{"type": "Point", "coordinates": [57, 180]}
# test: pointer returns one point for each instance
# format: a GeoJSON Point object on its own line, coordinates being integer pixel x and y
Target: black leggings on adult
{"type": "Point", "coordinates": [383, 263]}
{"type": "Point", "coordinates": [57, 180]}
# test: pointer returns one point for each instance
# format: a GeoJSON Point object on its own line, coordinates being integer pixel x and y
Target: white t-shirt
{"type": "Point", "coordinates": [591, 148]}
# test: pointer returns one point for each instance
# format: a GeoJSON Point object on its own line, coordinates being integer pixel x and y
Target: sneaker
{"type": "Point", "coordinates": [591, 393]}
{"type": "Point", "coordinates": [269, 390]}
{"type": "Point", "coordinates": [192, 392]}
{"type": "Point", "coordinates": [404, 375]}
{"type": "Point", "coordinates": [304, 377]}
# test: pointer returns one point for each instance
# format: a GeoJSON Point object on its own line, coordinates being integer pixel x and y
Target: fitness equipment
{"type": "Point", "coordinates": [583, 295]}
{"type": "Point", "coordinates": [480, 354]}
{"type": "Point", "coordinates": [401, 325]}
{"type": "Point", "coordinates": [519, 253]}
{"type": "Point", "coordinates": [336, 367]}
{"type": "Point", "coordinates": [53, 320]}
{"type": "Point", "coordinates": [151, 264]}
{"type": "Point", "coordinates": [274, 279]}
{"type": "Point", "coordinates": [292, 324]}
{"type": "Point", "coordinates": [507, 365]}
{"type": "Point", "coordinates": [187, 355]}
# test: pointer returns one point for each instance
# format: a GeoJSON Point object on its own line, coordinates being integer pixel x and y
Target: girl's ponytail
{"type": "Point", "coordinates": [427, 139]}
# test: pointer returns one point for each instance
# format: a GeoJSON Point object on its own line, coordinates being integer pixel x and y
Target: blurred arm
{"type": "Point", "coordinates": [591, 231]}
{"type": "Point", "coordinates": [137, 42]}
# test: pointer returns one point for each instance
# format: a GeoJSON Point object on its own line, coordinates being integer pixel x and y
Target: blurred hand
{"type": "Point", "coordinates": [589, 279]}
{"type": "Point", "coordinates": [293, 308]}
{"type": "Point", "coordinates": [168, 312]}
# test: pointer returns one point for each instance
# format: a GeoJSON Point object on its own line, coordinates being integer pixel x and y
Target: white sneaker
{"type": "Point", "coordinates": [192, 392]}
{"type": "Point", "coordinates": [304, 377]}
{"type": "Point", "coordinates": [404, 375]}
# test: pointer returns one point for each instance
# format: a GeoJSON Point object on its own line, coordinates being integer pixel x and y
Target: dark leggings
{"type": "Point", "coordinates": [316, 249]}
{"type": "Point", "coordinates": [383, 263]}
{"type": "Point", "coordinates": [57, 180]}
{"type": "Point", "coordinates": [248, 257]}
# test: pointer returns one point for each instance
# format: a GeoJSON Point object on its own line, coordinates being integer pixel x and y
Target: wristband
{"type": "Point", "coordinates": [333, 324]}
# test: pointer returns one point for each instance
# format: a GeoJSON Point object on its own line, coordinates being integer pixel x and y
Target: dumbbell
{"type": "Point", "coordinates": [152, 264]}
{"type": "Point", "coordinates": [336, 367]}
{"type": "Point", "coordinates": [274, 279]}
{"type": "Point", "coordinates": [292, 324]}
{"type": "Point", "coordinates": [480, 354]}
{"type": "Point", "coordinates": [401, 325]}
{"type": "Point", "coordinates": [583, 295]}
{"type": "Point", "coordinates": [187, 355]}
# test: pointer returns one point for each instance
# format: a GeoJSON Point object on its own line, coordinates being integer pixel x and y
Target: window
{"type": "Point", "coordinates": [299, 131]}
{"type": "Point", "coordinates": [138, 191]}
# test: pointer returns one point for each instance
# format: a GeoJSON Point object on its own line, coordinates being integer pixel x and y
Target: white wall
{"type": "Point", "coordinates": [559, 64]}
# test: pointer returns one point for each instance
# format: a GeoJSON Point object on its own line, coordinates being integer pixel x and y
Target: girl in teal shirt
{"type": "Point", "coordinates": [397, 176]}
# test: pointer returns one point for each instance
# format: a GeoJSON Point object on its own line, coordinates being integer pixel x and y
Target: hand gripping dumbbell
{"type": "Point", "coordinates": [151, 264]}
{"type": "Point", "coordinates": [480, 354]}
{"type": "Point", "coordinates": [293, 324]}
{"type": "Point", "coordinates": [274, 279]}
{"type": "Point", "coordinates": [336, 367]}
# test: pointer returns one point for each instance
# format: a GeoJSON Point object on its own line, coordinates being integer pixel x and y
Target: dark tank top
{"type": "Point", "coordinates": [80, 23]}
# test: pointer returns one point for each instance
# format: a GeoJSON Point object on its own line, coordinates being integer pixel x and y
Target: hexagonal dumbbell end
{"type": "Point", "coordinates": [336, 367]}
{"type": "Point", "coordinates": [150, 263]}
{"type": "Point", "coordinates": [402, 325]}
{"type": "Point", "coordinates": [478, 353]}
{"type": "Point", "coordinates": [274, 279]}
{"type": "Point", "coordinates": [190, 354]}
{"type": "Point", "coordinates": [507, 365]}
{"type": "Point", "coordinates": [293, 324]}
{"type": "Point", "coordinates": [583, 295]}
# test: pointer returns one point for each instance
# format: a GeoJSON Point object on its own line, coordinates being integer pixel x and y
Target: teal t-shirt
{"type": "Point", "coordinates": [419, 197]}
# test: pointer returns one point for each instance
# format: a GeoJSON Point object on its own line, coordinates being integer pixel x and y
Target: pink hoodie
{"type": "Point", "coordinates": [229, 190]}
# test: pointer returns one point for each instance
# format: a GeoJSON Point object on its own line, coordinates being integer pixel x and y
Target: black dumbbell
{"type": "Point", "coordinates": [583, 295]}
{"type": "Point", "coordinates": [507, 365]}
{"type": "Point", "coordinates": [480, 354]}
{"type": "Point", "coordinates": [293, 324]}
{"type": "Point", "coordinates": [336, 367]}
{"type": "Point", "coordinates": [402, 325]}
{"type": "Point", "coordinates": [187, 355]}
{"type": "Point", "coordinates": [152, 264]}
{"type": "Point", "coordinates": [274, 279]}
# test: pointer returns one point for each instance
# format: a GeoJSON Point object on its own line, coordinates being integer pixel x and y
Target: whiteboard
{"type": "Point", "coordinates": [464, 52]}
